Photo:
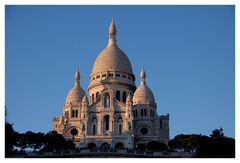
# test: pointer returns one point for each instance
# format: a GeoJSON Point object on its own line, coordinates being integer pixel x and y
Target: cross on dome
{"type": "Point", "coordinates": [77, 76]}
{"type": "Point", "coordinates": [143, 76]}
{"type": "Point", "coordinates": [112, 34]}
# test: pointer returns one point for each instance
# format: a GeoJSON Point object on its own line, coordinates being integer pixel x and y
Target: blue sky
{"type": "Point", "coordinates": [186, 51]}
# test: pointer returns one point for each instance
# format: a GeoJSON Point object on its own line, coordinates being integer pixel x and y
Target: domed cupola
{"type": "Point", "coordinates": [143, 94]}
{"type": "Point", "coordinates": [76, 94]}
{"type": "Point", "coordinates": [112, 58]}
{"type": "Point", "coordinates": [112, 70]}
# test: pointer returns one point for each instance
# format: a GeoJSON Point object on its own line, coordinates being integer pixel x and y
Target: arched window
{"type": "Point", "coordinates": [106, 122]}
{"type": "Point", "coordinates": [97, 96]}
{"type": "Point", "coordinates": [106, 100]}
{"type": "Point", "coordinates": [120, 129]}
{"type": "Point", "coordinates": [72, 113]}
{"type": "Point", "coordinates": [124, 97]}
{"type": "Point", "coordinates": [152, 113]}
{"type": "Point", "coordinates": [120, 121]}
{"type": "Point", "coordinates": [92, 98]}
{"type": "Point", "coordinates": [76, 113]}
{"type": "Point", "coordinates": [118, 95]}
{"type": "Point", "coordinates": [94, 129]}
{"type": "Point", "coordinates": [94, 123]}
{"type": "Point", "coordinates": [145, 112]}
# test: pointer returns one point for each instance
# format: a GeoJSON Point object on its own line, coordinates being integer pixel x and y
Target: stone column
{"type": "Point", "coordinates": [99, 126]}
{"type": "Point", "coordinates": [110, 125]}
{"type": "Point", "coordinates": [113, 126]}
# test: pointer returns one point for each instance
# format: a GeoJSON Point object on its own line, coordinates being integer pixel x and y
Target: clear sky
{"type": "Point", "coordinates": [186, 51]}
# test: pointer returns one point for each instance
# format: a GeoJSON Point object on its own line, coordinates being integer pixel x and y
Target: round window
{"type": "Point", "coordinates": [144, 130]}
{"type": "Point", "coordinates": [74, 131]}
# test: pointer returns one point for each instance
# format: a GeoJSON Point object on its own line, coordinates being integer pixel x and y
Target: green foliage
{"type": "Point", "coordinates": [50, 142]}
{"type": "Point", "coordinates": [22, 142]}
{"type": "Point", "coordinates": [10, 139]}
{"type": "Point", "coordinates": [217, 133]}
{"type": "Point", "coordinates": [156, 146]}
{"type": "Point", "coordinates": [221, 147]}
{"type": "Point", "coordinates": [216, 146]}
{"type": "Point", "coordinates": [55, 142]}
{"type": "Point", "coordinates": [35, 140]}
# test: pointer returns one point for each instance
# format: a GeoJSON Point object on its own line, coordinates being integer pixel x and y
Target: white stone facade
{"type": "Point", "coordinates": [117, 114]}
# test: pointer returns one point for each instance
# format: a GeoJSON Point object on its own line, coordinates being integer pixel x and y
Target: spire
{"type": "Point", "coordinates": [77, 77]}
{"type": "Point", "coordinates": [143, 76]}
{"type": "Point", "coordinates": [112, 27]}
{"type": "Point", "coordinates": [85, 99]}
{"type": "Point", "coordinates": [112, 34]}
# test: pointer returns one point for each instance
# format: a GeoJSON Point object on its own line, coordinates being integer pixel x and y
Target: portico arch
{"type": "Point", "coordinates": [106, 124]}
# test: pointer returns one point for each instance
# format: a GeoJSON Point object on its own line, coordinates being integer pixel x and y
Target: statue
{"type": "Point", "coordinates": [82, 126]}
{"type": "Point", "coordinates": [66, 118]}
{"type": "Point", "coordinates": [129, 127]}
{"type": "Point", "coordinates": [82, 135]}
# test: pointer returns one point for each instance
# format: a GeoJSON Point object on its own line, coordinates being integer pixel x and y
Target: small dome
{"type": "Point", "coordinates": [112, 58]}
{"type": "Point", "coordinates": [143, 94]}
{"type": "Point", "coordinates": [76, 94]}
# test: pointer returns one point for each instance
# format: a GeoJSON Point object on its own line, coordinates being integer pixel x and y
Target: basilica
{"type": "Point", "coordinates": [116, 114]}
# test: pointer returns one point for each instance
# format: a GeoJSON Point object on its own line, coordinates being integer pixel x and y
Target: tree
{"type": "Point", "coordinates": [56, 142]}
{"type": "Point", "coordinates": [156, 146]}
{"type": "Point", "coordinates": [39, 141]}
{"type": "Point", "coordinates": [202, 146]}
{"type": "Point", "coordinates": [217, 133]}
{"type": "Point", "coordinates": [34, 140]}
{"type": "Point", "coordinates": [22, 142]}
{"type": "Point", "coordinates": [184, 142]}
{"type": "Point", "coordinates": [10, 139]}
{"type": "Point", "coordinates": [216, 146]}
{"type": "Point", "coordinates": [69, 145]}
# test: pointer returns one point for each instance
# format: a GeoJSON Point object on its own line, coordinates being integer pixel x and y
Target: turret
{"type": "Point", "coordinates": [84, 107]}
{"type": "Point", "coordinates": [128, 115]}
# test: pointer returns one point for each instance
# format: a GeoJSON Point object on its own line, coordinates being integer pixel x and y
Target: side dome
{"type": "Point", "coordinates": [76, 94]}
{"type": "Point", "coordinates": [143, 94]}
{"type": "Point", "coordinates": [112, 58]}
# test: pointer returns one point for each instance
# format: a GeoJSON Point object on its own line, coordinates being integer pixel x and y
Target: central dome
{"type": "Point", "coordinates": [112, 58]}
